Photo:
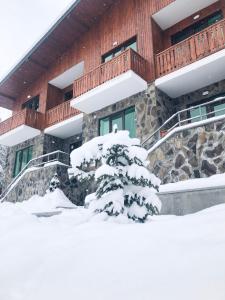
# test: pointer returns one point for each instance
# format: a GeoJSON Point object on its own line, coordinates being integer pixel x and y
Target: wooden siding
{"type": "Point", "coordinates": [127, 60]}
{"type": "Point", "coordinates": [190, 20]}
{"type": "Point", "coordinates": [24, 117]}
{"type": "Point", "coordinates": [125, 19]}
{"type": "Point", "coordinates": [192, 49]}
{"type": "Point", "coordinates": [60, 113]}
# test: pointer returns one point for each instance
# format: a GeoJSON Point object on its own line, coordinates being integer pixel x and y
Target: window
{"type": "Point", "coordinates": [124, 120]}
{"type": "Point", "coordinates": [132, 44]}
{"type": "Point", "coordinates": [68, 95]}
{"type": "Point", "coordinates": [208, 110]}
{"type": "Point", "coordinates": [196, 27]}
{"type": "Point", "coordinates": [33, 103]}
{"type": "Point", "coordinates": [22, 158]}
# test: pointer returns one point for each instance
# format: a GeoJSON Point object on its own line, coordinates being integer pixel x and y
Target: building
{"type": "Point", "coordinates": [133, 63]}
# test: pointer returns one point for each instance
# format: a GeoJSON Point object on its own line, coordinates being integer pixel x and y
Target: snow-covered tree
{"type": "Point", "coordinates": [54, 184]}
{"type": "Point", "coordinates": [124, 184]}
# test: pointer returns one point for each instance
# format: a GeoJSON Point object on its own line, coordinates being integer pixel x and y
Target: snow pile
{"type": "Point", "coordinates": [124, 184]}
{"type": "Point", "coordinates": [50, 202]}
{"type": "Point", "coordinates": [194, 184]}
{"type": "Point", "coordinates": [72, 256]}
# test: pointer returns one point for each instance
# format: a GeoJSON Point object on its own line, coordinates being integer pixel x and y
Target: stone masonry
{"type": "Point", "coordinates": [192, 153]}
{"type": "Point", "coordinates": [152, 108]}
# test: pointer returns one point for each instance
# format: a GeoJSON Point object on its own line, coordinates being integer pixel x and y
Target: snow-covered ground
{"type": "Point", "coordinates": [214, 181]}
{"type": "Point", "coordinates": [75, 256]}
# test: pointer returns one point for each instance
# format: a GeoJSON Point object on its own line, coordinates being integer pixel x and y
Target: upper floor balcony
{"type": "Point", "coordinates": [193, 63]}
{"type": "Point", "coordinates": [63, 121]}
{"type": "Point", "coordinates": [122, 76]}
{"type": "Point", "coordinates": [23, 125]}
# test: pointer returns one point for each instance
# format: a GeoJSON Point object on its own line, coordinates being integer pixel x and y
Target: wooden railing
{"type": "Point", "coordinates": [192, 49]}
{"type": "Point", "coordinates": [24, 117]}
{"type": "Point", "coordinates": [127, 60]}
{"type": "Point", "coordinates": [60, 113]}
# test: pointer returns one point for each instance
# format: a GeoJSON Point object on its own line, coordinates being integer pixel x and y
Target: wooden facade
{"type": "Point", "coordinates": [192, 49]}
{"type": "Point", "coordinates": [88, 32]}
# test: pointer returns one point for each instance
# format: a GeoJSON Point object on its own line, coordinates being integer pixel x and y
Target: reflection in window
{"type": "Point", "coordinates": [124, 120]}
{"type": "Point", "coordinates": [22, 158]}
{"type": "Point", "coordinates": [33, 103]}
{"type": "Point", "coordinates": [132, 44]}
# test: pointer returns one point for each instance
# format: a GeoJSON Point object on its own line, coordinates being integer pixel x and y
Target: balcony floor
{"type": "Point", "coordinates": [18, 135]}
{"type": "Point", "coordinates": [195, 76]}
{"type": "Point", "coordinates": [66, 128]}
{"type": "Point", "coordinates": [110, 92]}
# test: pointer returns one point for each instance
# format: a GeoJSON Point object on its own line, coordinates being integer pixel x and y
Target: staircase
{"type": "Point", "coordinates": [37, 164]}
{"type": "Point", "coordinates": [183, 118]}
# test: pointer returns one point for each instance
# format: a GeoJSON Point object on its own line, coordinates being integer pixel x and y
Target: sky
{"type": "Point", "coordinates": [23, 23]}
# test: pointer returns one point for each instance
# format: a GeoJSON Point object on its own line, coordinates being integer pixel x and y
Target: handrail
{"type": "Point", "coordinates": [31, 163]}
{"type": "Point", "coordinates": [178, 121]}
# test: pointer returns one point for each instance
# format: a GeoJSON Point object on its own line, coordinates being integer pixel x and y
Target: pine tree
{"type": "Point", "coordinates": [54, 184]}
{"type": "Point", "coordinates": [124, 184]}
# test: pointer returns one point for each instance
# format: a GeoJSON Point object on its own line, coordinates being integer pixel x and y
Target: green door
{"type": "Point", "coordinates": [22, 158]}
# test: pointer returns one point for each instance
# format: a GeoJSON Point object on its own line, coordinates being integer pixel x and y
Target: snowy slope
{"type": "Point", "coordinates": [73, 256]}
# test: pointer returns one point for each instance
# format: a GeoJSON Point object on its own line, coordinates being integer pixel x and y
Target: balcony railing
{"type": "Point", "coordinates": [192, 49]}
{"type": "Point", "coordinates": [127, 60]}
{"type": "Point", "coordinates": [60, 113]}
{"type": "Point", "coordinates": [26, 116]}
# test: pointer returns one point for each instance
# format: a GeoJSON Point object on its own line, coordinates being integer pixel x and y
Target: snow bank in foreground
{"type": "Point", "coordinates": [213, 181]}
{"type": "Point", "coordinates": [48, 203]}
{"type": "Point", "coordinates": [70, 256]}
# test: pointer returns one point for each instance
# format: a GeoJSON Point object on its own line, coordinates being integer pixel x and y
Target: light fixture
{"type": "Point", "coordinates": [205, 93]}
{"type": "Point", "coordinates": [29, 96]}
{"type": "Point", "coordinates": [24, 82]}
{"type": "Point", "coordinates": [196, 17]}
{"type": "Point", "coordinates": [115, 43]}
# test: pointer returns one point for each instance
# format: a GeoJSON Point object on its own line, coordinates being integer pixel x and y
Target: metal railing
{"type": "Point", "coordinates": [38, 162]}
{"type": "Point", "coordinates": [183, 117]}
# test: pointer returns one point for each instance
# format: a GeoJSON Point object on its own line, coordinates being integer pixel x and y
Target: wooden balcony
{"type": "Point", "coordinates": [127, 60]}
{"type": "Point", "coordinates": [60, 113]}
{"type": "Point", "coordinates": [196, 47]}
{"type": "Point", "coordinates": [26, 116]}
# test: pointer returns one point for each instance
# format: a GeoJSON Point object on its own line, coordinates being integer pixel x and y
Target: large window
{"type": "Point", "coordinates": [130, 44]}
{"type": "Point", "coordinates": [124, 120]}
{"type": "Point", "coordinates": [206, 111]}
{"type": "Point", "coordinates": [196, 27]}
{"type": "Point", "coordinates": [22, 158]}
{"type": "Point", "coordinates": [33, 103]}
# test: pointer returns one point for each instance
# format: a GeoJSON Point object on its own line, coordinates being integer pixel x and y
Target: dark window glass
{"type": "Point", "coordinates": [33, 103]}
{"type": "Point", "coordinates": [22, 158]}
{"type": "Point", "coordinates": [68, 95]}
{"type": "Point", "coordinates": [196, 27]}
{"type": "Point", "coordinates": [130, 44]}
{"type": "Point", "coordinates": [124, 120]}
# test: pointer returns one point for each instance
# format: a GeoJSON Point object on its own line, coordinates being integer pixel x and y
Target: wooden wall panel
{"type": "Point", "coordinates": [189, 21]}
{"type": "Point", "coordinates": [125, 19]}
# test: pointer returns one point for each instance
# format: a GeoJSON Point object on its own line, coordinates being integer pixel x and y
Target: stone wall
{"type": "Point", "coordinates": [192, 153]}
{"type": "Point", "coordinates": [152, 108]}
{"type": "Point", "coordinates": [36, 182]}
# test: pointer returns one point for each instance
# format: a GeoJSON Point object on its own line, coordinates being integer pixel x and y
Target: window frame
{"type": "Point", "coordinates": [32, 100]}
{"type": "Point", "coordinates": [191, 30]}
{"type": "Point", "coordinates": [113, 115]}
{"type": "Point", "coordinates": [209, 109]}
{"type": "Point", "coordinates": [17, 153]}
{"type": "Point", "coordinates": [122, 47]}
